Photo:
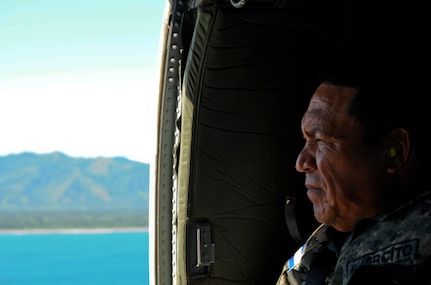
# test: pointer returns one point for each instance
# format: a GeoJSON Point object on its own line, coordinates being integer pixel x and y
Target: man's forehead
{"type": "Point", "coordinates": [331, 97]}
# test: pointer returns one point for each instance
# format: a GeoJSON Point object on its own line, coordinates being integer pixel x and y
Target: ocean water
{"type": "Point", "coordinates": [108, 258]}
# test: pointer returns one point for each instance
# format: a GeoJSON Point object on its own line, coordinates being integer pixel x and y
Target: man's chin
{"type": "Point", "coordinates": [319, 214]}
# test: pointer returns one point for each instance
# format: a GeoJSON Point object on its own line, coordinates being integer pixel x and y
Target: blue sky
{"type": "Point", "coordinates": [80, 77]}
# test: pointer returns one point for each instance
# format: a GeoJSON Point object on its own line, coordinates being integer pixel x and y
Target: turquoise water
{"type": "Point", "coordinates": [74, 259]}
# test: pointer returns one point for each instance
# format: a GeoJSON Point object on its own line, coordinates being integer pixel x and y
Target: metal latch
{"type": "Point", "coordinates": [205, 249]}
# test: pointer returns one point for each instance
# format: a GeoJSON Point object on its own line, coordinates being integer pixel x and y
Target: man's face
{"type": "Point", "coordinates": [343, 177]}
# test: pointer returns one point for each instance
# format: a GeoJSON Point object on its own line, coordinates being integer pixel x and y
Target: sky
{"type": "Point", "coordinates": [80, 77]}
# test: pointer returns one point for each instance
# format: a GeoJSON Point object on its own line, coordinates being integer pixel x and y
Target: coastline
{"type": "Point", "coordinates": [73, 231]}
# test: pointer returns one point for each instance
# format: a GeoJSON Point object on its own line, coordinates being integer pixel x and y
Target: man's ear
{"type": "Point", "coordinates": [398, 149]}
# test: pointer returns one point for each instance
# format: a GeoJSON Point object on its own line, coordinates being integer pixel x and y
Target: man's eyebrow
{"type": "Point", "coordinates": [322, 130]}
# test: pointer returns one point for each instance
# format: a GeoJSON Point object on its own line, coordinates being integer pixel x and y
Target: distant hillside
{"type": "Point", "coordinates": [56, 181]}
{"type": "Point", "coordinates": [32, 183]}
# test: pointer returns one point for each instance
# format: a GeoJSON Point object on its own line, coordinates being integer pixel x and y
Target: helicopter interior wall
{"type": "Point", "coordinates": [248, 76]}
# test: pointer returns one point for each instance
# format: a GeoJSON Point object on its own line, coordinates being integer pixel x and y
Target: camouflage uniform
{"type": "Point", "coordinates": [393, 247]}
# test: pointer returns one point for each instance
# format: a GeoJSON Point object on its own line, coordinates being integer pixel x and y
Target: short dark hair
{"type": "Point", "coordinates": [389, 95]}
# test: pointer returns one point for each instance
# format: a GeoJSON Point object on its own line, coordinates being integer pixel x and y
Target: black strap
{"type": "Point", "coordinates": [291, 220]}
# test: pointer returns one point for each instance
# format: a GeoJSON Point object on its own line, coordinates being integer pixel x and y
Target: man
{"type": "Point", "coordinates": [366, 169]}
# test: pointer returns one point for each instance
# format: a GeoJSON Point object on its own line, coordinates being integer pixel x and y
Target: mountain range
{"type": "Point", "coordinates": [57, 181]}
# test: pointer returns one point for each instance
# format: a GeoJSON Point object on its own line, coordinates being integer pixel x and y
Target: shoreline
{"type": "Point", "coordinates": [73, 231]}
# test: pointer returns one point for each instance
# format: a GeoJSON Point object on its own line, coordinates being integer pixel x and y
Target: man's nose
{"type": "Point", "coordinates": [306, 161]}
